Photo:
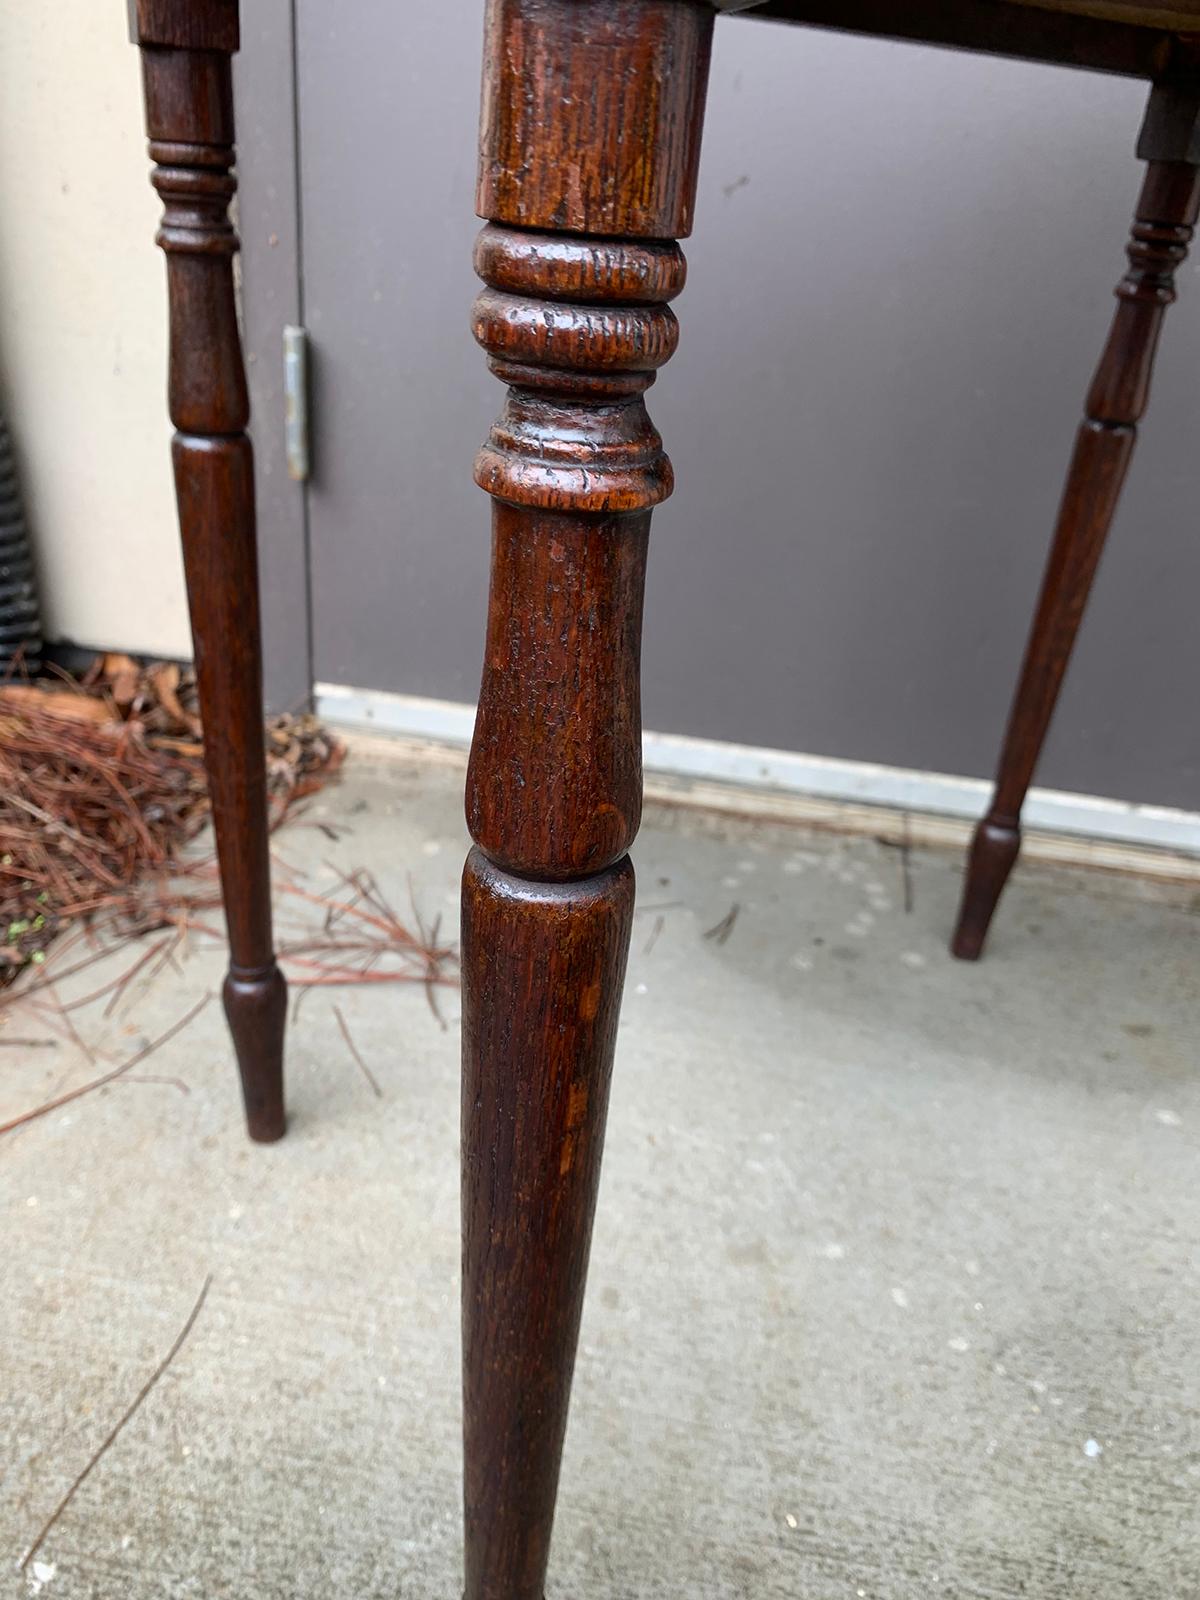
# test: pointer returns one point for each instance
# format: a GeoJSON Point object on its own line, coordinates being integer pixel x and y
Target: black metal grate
{"type": "Point", "coordinates": [20, 618]}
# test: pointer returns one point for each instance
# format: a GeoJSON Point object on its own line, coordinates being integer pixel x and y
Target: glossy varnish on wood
{"type": "Point", "coordinates": [547, 962]}
{"type": "Point", "coordinates": [189, 116]}
{"type": "Point", "coordinates": [592, 113]}
{"type": "Point", "coordinates": [1162, 229]}
{"type": "Point", "coordinates": [607, 92]}
{"type": "Point", "coordinates": [590, 140]}
{"type": "Point", "coordinates": [1103, 44]}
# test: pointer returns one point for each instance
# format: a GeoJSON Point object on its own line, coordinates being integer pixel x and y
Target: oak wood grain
{"type": "Point", "coordinates": [591, 115]}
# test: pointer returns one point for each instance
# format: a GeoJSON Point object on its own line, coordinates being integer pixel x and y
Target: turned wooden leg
{"type": "Point", "coordinates": [1162, 229]}
{"type": "Point", "coordinates": [186, 48]}
{"type": "Point", "coordinates": [591, 126]}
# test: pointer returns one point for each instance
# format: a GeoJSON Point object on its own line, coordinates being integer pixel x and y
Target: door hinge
{"type": "Point", "coordinates": [295, 399]}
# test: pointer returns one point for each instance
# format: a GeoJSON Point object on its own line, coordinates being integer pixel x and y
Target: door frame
{"type": "Point", "coordinates": [272, 296]}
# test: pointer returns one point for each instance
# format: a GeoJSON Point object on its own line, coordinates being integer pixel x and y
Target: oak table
{"type": "Point", "coordinates": [590, 141]}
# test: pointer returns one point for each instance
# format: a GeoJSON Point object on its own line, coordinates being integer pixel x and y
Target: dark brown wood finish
{"type": "Point", "coordinates": [991, 27]}
{"type": "Point", "coordinates": [592, 112]}
{"type": "Point", "coordinates": [186, 70]}
{"type": "Point", "coordinates": [185, 24]}
{"type": "Point", "coordinates": [546, 963]}
{"type": "Point", "coordinates": [1162, 229]}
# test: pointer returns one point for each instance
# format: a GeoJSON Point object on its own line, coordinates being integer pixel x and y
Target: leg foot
{"type": "Point", "coordinates": [256, 1010]}
{"type": "Point", "coordinates": [1162, 229]}
{"type": "Point", "coordinates": [994, 850]}
{"type": "Point", "coordinates": [188, 83]}
{"type": "Point", "coordinates": [590, 141]}
{"type": "Point", "coordinates": [543, 966]}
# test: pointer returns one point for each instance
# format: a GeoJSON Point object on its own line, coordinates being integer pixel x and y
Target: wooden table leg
{"type": "Point", "coordinates": [186, 50]}
{"type": "Point", "coordinates": [591, 124]}
{"type": "Point", "coordinates": [1162, 229]}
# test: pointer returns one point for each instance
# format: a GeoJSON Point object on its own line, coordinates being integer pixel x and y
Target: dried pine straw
{"type": "Point", "coordinates": [102, 792]}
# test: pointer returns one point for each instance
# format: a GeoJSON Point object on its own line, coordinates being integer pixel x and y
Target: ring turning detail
{"type": "Point", "coordinates": [187, 78]}
{"type": "Point", "coordinates": [579, 262]}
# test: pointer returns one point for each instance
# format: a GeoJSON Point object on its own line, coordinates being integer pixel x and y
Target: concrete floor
{"type": "Point", "coordinates": [895, 1275]}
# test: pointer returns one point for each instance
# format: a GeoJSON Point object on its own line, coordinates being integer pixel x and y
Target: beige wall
{"type": "Point", "coordinates": [82, 329]}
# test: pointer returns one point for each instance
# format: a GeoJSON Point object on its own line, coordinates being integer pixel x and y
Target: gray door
{"type": "Point", "coordinates": [900, 281]}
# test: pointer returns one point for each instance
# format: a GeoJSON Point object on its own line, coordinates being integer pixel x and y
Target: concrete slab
{"type": "Point", "coordinates": [894, 1283]}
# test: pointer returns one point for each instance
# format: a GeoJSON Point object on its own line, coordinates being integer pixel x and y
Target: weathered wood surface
{"type": "Point", "coordinates": [589, 147]}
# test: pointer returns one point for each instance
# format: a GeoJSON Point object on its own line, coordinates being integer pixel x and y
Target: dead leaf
{"type": "Point", "coordinates": [165, 681]}
{"type": "Point", "coordinates": [122, 674]}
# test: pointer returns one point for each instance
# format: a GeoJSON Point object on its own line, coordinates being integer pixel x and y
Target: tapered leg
{"type": "Point", "coordinates": [1162, 229]}
{"type": "Point", "coordinates": [591, 126]}
{"type": "Point", "coordinates": [186, 49]}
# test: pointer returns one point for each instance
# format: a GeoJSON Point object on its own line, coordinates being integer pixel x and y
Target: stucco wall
{"type": "Point", "coordinates": [82, 327]}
